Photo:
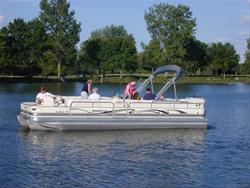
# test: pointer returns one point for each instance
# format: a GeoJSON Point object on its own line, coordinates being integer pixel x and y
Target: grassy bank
{"type": "Point", "coordinates": [214, 79]}
{"type": "Point", "coordinates": [112, 78]}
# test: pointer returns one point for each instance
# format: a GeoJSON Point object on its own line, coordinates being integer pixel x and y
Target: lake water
{"type": "Point", "coordinates": [217, 157]}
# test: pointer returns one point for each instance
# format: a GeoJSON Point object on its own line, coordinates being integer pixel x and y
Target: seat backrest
{"type": "Point", "coordinates": [48, 101]}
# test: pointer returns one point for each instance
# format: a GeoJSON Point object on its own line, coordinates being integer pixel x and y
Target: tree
{"type": "Point", "coordinates": [13, 53]}
{"type": "Point", "coordinates": [88, 56]}
{"type": "Point", "coordinates": [172, 26]}
{"type": "Point", "coordinates": [110, 32]}
{"type": "Point", "coordinates": [118, 54]}
{"type": "Point", "coordinates": [2, 46]}
{"type": "Point", "coordinates": [196, 56]}
{"type": "Point", "coordinates": [245, 68]}
{"type": "Point", "coordinates": [110, 49]}
{"type": "Point", "coordinates": [22, 47]}
{"type": "Point", "coordinates": [152, 56]}
{"type": "Point", "coordinates": [223, 58]}
{"type": "Point", "coordinates": [37, 46]}
{"type": "Point", "coordinates": [63, 31]}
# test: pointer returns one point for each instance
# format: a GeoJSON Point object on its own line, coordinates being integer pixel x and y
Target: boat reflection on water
{"type": "Point", "coordinates": [115, 156]}
{"type": "Point", "coordinates": [183, 138]}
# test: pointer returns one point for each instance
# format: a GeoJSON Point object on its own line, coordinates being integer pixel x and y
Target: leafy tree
{"type": "Point", "coordinates": [223, 58]}
{"type": "Point", "coordinates": [152, 56]}
{"type": "Point", "coordinates": [172, 26]}
{"type": "Point", "coordinates": [63, 31]}
{"type": "Point", "coordinates": [247, 55]}
{"type": "Point", "coordinates": [110, 32]}
{"type": "Point", "coordinates": [13, 53]}
{"type": "Point", "coordinates": [88, 56]}
{"type": "Point", "coordinates": [118, 54]}
{"type": "Point", "coordinates": [196, 56]}
{"type": "Point", "coordinates": [245, 69]}
{"type": "Point", "coordinates": [2, 44]}
{"type": "Point", "coordinates": [38, 45]}
{"type": "Point", "coordinates": [22, 47]}
{"type": "Point", "coordinates": [110, 49]}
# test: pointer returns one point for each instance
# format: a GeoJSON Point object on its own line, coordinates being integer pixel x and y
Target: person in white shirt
{"type": "Point", "coordinates": [40, 96]}
{"type": "Point", "coordinates": [94, 95]}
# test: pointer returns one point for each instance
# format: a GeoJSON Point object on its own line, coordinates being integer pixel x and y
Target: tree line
{"type": "Point", "coordinates": [47, 45]}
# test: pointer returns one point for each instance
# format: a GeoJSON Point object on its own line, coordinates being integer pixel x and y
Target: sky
{"type": "Point", "coordinates": [217, 20]}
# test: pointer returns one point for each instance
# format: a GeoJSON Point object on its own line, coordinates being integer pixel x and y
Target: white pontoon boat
{"type": "Point", "coordinates": [76, 113]}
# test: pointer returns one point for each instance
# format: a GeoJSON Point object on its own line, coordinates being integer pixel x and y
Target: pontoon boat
{"type": "Point", "coordinates": [75, 113]}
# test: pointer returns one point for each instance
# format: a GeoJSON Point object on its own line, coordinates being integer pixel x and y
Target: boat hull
{"type": "Point", "coordinates": [62, 123]}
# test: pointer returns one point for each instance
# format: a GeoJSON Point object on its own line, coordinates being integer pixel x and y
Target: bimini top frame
{"type": "Point", "coordinates": [161, 70]}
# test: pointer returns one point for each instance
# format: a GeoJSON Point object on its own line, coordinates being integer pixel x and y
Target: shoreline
{"type": "Point", "coordinates": [185, 79]}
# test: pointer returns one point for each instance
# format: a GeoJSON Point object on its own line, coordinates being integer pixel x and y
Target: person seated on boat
{"type": "Point", "coordinates": [94, 95]}
{"type": "Point", "coordinates": [43, 93]}
{"type": "Point", "coordinates": [149, 95]}
{"type": "Point", "coordinates": [86, 89]}
{"type": "Point", "coordinates": [136, 96]}
{"type": "Point", "coordinates": [162, 98]}
{"type": "Point", "coordinates": [129, 90]}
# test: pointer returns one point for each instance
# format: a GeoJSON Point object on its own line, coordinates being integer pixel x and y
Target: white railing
{"type": "Point", "coordinates": [127, 106]}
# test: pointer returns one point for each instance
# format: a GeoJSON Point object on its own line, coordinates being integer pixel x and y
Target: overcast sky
{"type": "Point", "coordinates": [217, 20]}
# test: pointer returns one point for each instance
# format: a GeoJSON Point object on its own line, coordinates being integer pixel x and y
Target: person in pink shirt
{"type": "Point", "coordinates": [129, 90]}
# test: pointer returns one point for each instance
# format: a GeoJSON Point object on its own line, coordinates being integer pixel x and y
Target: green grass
{"type": "Point", "coordinates": [111, 78]}
{"type": "Point", "coordinates": [183, 79]}
{"type": "Point", "coordinates": [214, 79]}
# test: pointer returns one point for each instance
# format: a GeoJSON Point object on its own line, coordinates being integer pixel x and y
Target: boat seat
{"type": "Point", "coordinates": [78, 103]}
{"type": "Point", "coordinates": [48, 101]}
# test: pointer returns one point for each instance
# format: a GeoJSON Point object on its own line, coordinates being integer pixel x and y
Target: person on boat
{"type": "Point", "coordinates": [136, 96]}
{"type": "Point", "coordinates": [149, 95]}
{"type": "Point", "coordinates": [162, 98]}
{"type": "Point", "coordinates": [43, 93]}
{"type": "Point", "coordinates": [129, 90]}
{"type": "Point", "coordinates": [94, 95]}
{"type": "Point", "coordinates": [86, 89]}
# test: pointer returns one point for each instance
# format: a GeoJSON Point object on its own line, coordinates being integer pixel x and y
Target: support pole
{"type": "Point", "coordinates": [152, 86]}
{"type": "Point", "coordinates": [175, 95]}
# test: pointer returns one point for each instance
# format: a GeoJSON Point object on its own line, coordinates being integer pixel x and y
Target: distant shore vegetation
{"type": "Point", "coordinates": [47, 46]}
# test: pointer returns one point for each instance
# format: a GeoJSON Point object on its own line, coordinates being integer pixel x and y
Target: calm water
{"type": "Point", "coordinates": [217, 157]}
